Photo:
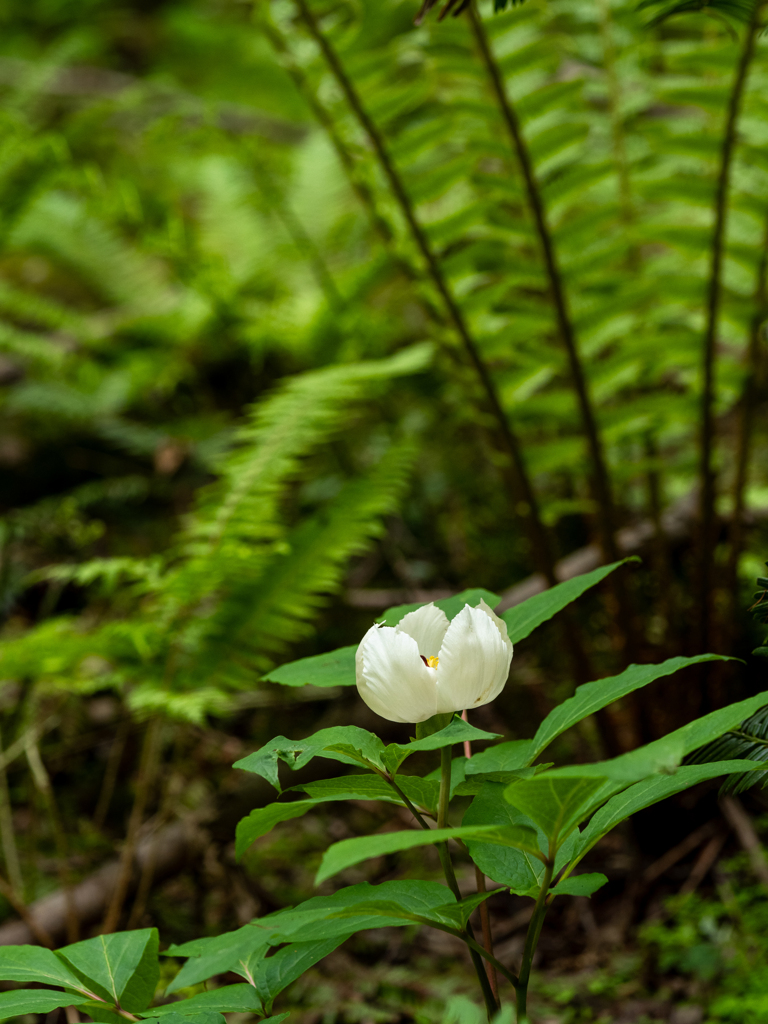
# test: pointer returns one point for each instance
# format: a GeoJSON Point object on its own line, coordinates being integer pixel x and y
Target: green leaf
{"type": "Point", "coordinates": [450, 605]}
{"type": "Point", "coordinates": [335, 668]}
{"type": "Point", "coordinates": [554, 804]}
{"type": "Point", "coordinates": [124, 966]}
{"type": "Point", "coordinates": [278, 971]}
{"type": "Point", "coordinates": [519, 870]}
{"type": "Point", "coordinates": [199, 1017]}
{"type": "Point", "coordinates": [703, 730]}
{"type": "Point", "coordinates": [457, 731]}
{"type": "Point", "coordinates": [651, 791]}
{"type": "Point", "coordinates": [315, 916]}
{"type": "Point", "coordinates": [422, 792]}
{"type": "Point", "coordinates": [502, 757]}
{"type": "Point", "coordinates": [472, 784]}
{"type": "Point", "coordinates": [37, 964]}
{"type": "Point", "coordinates": [592, 697]}
{"type": "Point", "coordinates": [263, 819]}
{"type": "Point", "coordinates": [524, 618]}
{"type": "Point", "coordinates": [241, 998]}
{"type": "Point", "coordinates": [448, 916]}
{"type": "Point", "coordinates": [297, 753]}
{"type": "Point", "coordinates": [23, 1001]}
{"type": "Point", "coordinates": [663, 755]}
{"type": "Point", "coordinates": [579, 885]}
{"type": "Point", "coordinates": [231, 951]}
{"type": "Point", "coordinates": [351, 851]}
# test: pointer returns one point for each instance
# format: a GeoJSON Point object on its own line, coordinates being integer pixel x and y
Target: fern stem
{"type": "Point", "coordinates": [527, 505]}
{"type": "Point", "coordinates": [747, 419]}
{"type": "Point", "coordinates": [600, 476]}
{"type": "Point", "coordinates": [707, 474]}
{"type": "Point", "coordinates": [742, 735]}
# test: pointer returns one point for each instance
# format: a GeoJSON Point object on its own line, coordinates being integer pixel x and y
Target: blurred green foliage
{"type": "Point", "coordinates": [718, 945]}
{"type": "Point", "coordinates": [185, 250]}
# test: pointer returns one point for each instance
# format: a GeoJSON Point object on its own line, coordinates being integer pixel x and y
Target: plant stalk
{"type": "Point", "coordinates": [531, 941]}
{"type": "Point", "coordinates": [707, 473]}
{"type": "Point", "coordinates": [485, 920]}
{"type": "Point", "coordinates": [450, 876]}
{"type": "Point", "coordinates": [527, 505]}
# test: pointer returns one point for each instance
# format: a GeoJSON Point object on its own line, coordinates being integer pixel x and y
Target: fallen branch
{"type": "Point", "coordinates": [676, 524]}
{"type": "Point", "coordinates": [169, 848]}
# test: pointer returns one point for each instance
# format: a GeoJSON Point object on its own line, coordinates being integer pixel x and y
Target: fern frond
{"type": "Point", "coordinates": [749, 743]}
{"type": "Point", "coordinates": [740, 10]}
{"type": "Point", "coordinates": [261, 609]}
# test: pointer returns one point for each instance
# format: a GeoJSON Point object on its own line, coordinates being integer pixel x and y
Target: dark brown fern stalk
{"type": "Point", "coordinates": [527, 505]}
{"type": "Point", "coordinates": [601, 484]}
{"type": "Point", "coordinates": [752, 375]}
{"type": "Point", "coordinates": [707, 474]}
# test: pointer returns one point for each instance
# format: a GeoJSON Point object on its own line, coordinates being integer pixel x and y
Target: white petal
{"type": "Point", "coordinates": [391, 677]}
{"type": "Point", "coordinates": [474, 661]}
{"type": "Point", "coordinates": [427, 625]}
{"type": "Point", "coordinates": [500, 623]}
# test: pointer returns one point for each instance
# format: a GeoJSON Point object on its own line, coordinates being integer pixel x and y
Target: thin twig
{"type": "Point", "coordinates": [742, 825]}
{"type": "Point", "coordinates": [144, 780]}
{"type": "Point", "coordinates": [527, 505]}
{"type": "Point", "coordinates": [43, 782]}
{"type": "Point", "coordinates": [8, 833]}
{"type": "Point", "coordinates": [682, 849]}
{"type": "Point", "coordinates": [707, 480]}
{"type": "Point", "coordinates": [19, 746]}
{"type": "Point", "coordinates": [110, 773]}
{"type": "Point", "coordinates": [12, 895]}
{"type": "Point", "coordinates": [704, 862]}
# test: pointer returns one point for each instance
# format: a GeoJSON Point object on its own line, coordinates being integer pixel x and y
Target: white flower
{"type": "Point", "coordinates": [426, 665]}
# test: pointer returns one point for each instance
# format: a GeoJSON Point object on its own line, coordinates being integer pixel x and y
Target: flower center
{"type": "Point", "coordinates": [430, 662]}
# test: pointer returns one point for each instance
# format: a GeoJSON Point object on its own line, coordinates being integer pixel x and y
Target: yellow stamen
{"type": "Point", "coordinates": [432, 662]}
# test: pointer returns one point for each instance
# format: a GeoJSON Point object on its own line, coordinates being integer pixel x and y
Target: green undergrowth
{"type": "Point", "coordinates": [718, 945]}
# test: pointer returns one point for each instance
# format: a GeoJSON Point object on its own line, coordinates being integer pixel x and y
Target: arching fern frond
{"type": "Point", "coordinates": [739, 10]}
{"type": "Point", "coordinates": [253, 564]}
{"type": "Point", "coordinates": [749, 742]}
